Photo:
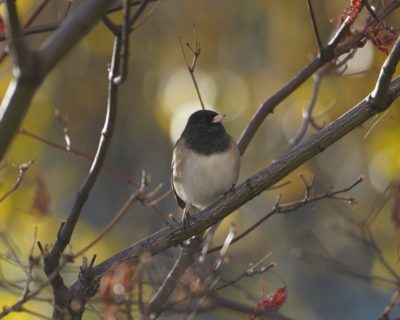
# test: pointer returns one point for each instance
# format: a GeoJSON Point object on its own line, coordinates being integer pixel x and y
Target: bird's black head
{"type": "Point", "coordinates": [204, 132]}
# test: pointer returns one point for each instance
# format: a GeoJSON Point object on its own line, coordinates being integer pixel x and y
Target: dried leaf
{"type": "Point", "coordinates": [113, 286]}
{"type": "Point", "coordinates": [42, 197]}
{"type": "Point", "coordinates": [2, 26]}
{"type": "Point", "coordinates": [270, 301]}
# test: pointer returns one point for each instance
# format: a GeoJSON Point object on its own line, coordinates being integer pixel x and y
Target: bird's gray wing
{"type": "Point", "coordinates": [175, 173]}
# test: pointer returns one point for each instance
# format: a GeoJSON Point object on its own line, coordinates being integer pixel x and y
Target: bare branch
{"type": "Point", "coordinates": [394, 300]}
{"type": "Point", "coordinates": [63, 121]}
{"type": "Point", "coordinates": [307, 113]}
{"type": "Point", "coordinates": [314, 24]}
{"type": "Point", "coordinates": [253, 186]}
{"type": "Point", "coordinates": [70, 32]}
{"type": "Point", "coordinates": [119, 79]}
{"type": "Point", "coordinates": [142, 6]}
{"type": "Point", "coordinates": [37, 65]}
{"type": "Point", "coordinates": [52, 260]}
{"type": "Point", "coordinates": [18, 48]}
{"type": "Point", "coordinates": [290, 207]}
{"type": "Point", "coordinates": [35, 13]}
{"type": "Point", "coordinates": [187, 256]}
{"type": "Point", "coordinates": [191, 67]}
{"type": "Point", "coordinates": [328, 52]}
{"type": "Point", "coordinates": [138, 195]}
{"type": "Point", "coordinates": [379, 95]}
{"type": "Point", "coordinates": [22, 169]}
{"type": "Point", "coordinates": [79, 153]}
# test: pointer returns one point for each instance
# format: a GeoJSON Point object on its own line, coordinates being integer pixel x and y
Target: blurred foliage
{"type": "Point", "coordinates": [250, 49]}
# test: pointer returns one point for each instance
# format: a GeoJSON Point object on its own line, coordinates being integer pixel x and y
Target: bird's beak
{"type": "Point", "coordinates": [218, 118]}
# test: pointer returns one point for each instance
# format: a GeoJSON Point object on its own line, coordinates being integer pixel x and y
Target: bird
{"type": "Point", "coordinates": [205, 162]}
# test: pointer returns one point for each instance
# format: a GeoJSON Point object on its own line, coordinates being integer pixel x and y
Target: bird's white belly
{"type": "Point", "coordinates": [205, 178]}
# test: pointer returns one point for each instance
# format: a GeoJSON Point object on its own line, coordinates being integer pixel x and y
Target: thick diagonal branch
{"type": "Point", "coordinates": [172, 236]}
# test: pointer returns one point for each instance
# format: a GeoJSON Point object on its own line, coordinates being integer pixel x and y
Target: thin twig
{"type": "Point", "coordinates": [314, 24]}
{"type": "Point", "coordinates": [338, 266]}
{"type": "Point", "coordinates": [52, 260]}
{"type": "Point", "coordinates": [35, 13]}
{"type": "Point", "coordinates": [67, 8]}
{"type": "Point", "coordinates": [376, 121]}
{"type": "Point", "coordinates": [394, 300]}
{"type": "Point", "coordinates": [32, 263]}
{"type": "Point", "coordinates": [111, 25]}
{"type": "Point", "coordinates": [142, 6]}
{"type": "Point", "coordinates": [191, 67]}
{"type": "Point", "coordinates": [139, 195]}
{"type": "Point", "coordinates": [307, 113]}
{"type": "Point", "coordinates": [185, 259]}
{"type": "Point", "coordinates": [137, 25]}
{"type": "Point", "coordinates": [125, 29]}
{"type": "Point", "coordinates": [290, 207]}
{"type": "Point", "coordinates": [78, 153]}
{"type": "Point", "coordinates": [63, 121]}
{"type": "Point", "coordinates": [22, 170]}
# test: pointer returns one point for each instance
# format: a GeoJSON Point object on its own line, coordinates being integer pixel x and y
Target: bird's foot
{"type": "Point", "coordinates": [230, 190]}
{"type": "Point", "coordinates": [186, 221]}
{"type": "Point", "coordinates": [186, 218]}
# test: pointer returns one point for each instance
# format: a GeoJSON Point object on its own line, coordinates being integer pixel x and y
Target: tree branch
{"type": "Point", "coordinates": [18, 48]}
{"type": "Point", "coordinates": [176, 234]}
{"type": "Point", "coordinates": [36, 65]}
{"type": "Point", "coordinates": [379, 96]}
{"type": "Point", "coordinates": [52, 260]}
{"type": "Point", "coordinates": [70, 32]}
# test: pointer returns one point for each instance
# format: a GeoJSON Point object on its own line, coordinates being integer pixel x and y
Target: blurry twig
{"type": "Point", "coordinates": [67, 8]}
{"type": "Point", "coordinates": [375, 122]}
{"type": "Point", "coordinates": [22, 169]}
{"type": "Point", "coordinates": [308, 118]}
{"type": "Point", "coordinates": [139, 195]}
{"type": "Point", "coordinates": [187, 256]}
{"type": "Point", "coordinates": [150, 204]}
{"type": "Point", "coordinates": [361, 232]}
{"type": "Point", "coordinates": [307, 113]}
{"type": "Point", "coordinates": [64, 123]}
{"type": "Point", "coordinates": [394, 300]}
{"type": "Point", "coordinates": [146, 17]}
{"type": "Point", "coordinates": [79, 153]}
{"type": "Point", "coordinates": [292, 206]}
{"type": "Point", "coordinates": [339, 267]}
{"type": "Point", "coordinates": [32, 263]}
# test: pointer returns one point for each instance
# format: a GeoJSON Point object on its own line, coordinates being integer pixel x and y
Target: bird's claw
{"type": "Point", "coordinates": [186, 221]}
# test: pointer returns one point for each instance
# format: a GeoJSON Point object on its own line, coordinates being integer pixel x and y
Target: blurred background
{"type": "Point", "coordinates": [250, 49]}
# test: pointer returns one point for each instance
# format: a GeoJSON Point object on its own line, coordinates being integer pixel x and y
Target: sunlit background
{"type": "Point", "coordinates": [250, 49]}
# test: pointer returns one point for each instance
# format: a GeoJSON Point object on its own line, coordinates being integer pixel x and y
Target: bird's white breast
{"type": "Point", "coordinates": [201, 179]}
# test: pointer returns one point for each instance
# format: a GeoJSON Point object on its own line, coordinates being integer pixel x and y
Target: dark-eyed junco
{"type": "Point", "coordinates": [205, 161]}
